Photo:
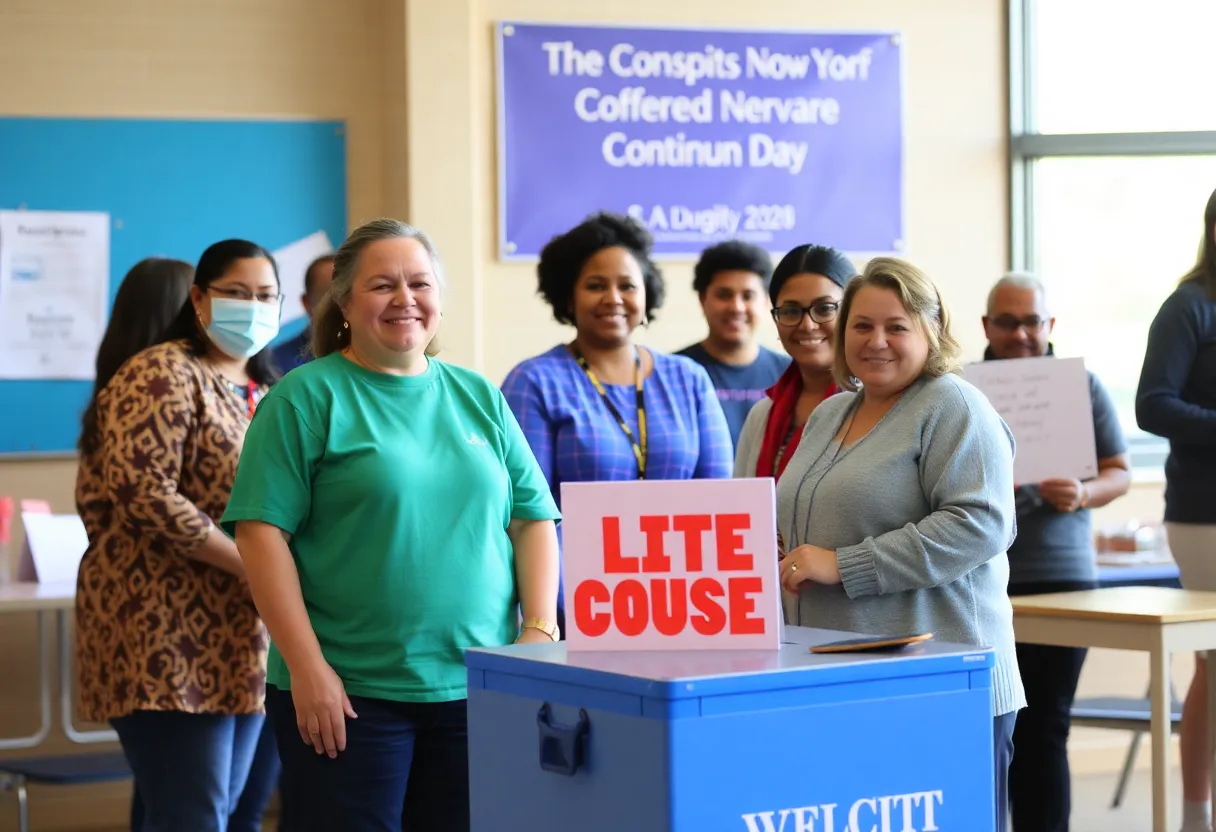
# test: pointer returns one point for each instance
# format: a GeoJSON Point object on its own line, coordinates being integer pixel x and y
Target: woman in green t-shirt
{"type": "Point", "coordinates": [390, 515]}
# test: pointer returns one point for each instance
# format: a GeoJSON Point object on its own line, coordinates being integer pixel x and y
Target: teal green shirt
{"type": "Point", "coordinates": [397, 491]}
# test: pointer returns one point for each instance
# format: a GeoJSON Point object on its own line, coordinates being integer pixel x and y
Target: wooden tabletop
{"type": "Point", "coordinates": [1133, 604]}
{"type": "Point", "coordinates": [32, 597]}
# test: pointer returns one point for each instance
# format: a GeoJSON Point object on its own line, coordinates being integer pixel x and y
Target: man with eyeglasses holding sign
{"type": "Point", "coordinates": [1053, 552]}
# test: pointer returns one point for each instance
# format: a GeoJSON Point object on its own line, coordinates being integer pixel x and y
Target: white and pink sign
{"type": "Point", "coordinates": [671, 565]}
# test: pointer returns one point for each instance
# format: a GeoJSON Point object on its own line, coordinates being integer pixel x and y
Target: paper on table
{"type": "Point", "coordinates": [1046, 403]}
{"type": "Point", "coordinates": [54, 545]}
{"type": "Point", "coordinates": [6, 519]}
{"type": "Point", "coordinates": [54, 292]}
{"type": "Point", "coordinates": [293, 261]}
{"type": "Point", "coordinates": [6, 536]}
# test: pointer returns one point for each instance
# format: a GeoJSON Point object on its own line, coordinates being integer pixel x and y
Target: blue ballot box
{"type": "Point", "coordinates": [731, 741]}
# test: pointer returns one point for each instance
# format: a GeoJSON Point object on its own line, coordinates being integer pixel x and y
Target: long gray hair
{"type": "Point", "coordinates": [329, 333]}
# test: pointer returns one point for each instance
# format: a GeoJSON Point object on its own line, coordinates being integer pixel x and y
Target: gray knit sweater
{"type": "Point", "coordinates": [920, 512]}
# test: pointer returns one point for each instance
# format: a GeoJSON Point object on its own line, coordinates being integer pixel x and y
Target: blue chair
{"type": "Point", "coordinates": [1123, 714]}
{"type": "Point", "coordinates": [83, 769]}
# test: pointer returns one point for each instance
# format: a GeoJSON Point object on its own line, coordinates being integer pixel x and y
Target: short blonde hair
{"type": "Point", "coordinates": [923, 303]}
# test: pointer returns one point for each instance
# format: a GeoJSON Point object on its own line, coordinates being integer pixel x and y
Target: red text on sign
{"type": "Point", "coordinates": [727, 543]}
{"type": "Point", "coordinates": [710, 604]}
{"type": "Point", "coordinates": [633, 605]}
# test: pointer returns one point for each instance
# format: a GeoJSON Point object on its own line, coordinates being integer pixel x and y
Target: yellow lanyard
{"type": "Point", "coordinates": [638, 443]}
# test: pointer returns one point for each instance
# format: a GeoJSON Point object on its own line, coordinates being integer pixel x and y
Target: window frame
{"type": "Point", "coordinates": [1027, 145]}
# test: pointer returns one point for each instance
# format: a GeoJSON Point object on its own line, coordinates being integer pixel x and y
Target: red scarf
{"type": "Point", "coordinates": [785, 395]}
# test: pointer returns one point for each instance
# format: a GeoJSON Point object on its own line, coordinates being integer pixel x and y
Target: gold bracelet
{"type": "Point", "coordinates": [547, 627]}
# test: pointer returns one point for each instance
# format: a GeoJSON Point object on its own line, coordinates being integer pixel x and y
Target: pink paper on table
{"type": "Point", "coordinates": [6, 520]}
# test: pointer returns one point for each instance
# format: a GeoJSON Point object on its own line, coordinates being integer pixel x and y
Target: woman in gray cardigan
{"type": "Point", "coordinates": [897, 507]}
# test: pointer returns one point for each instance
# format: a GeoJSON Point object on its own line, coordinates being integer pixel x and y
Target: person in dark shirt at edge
{"type": "Point", "coordinates": [1176, 400]}
{"type": "Point", "coordinates": [1053, 552]}
{"type": "Point", "coordinates": [298, 350]}
{"type": "Point", "coordinates": [732, 279]}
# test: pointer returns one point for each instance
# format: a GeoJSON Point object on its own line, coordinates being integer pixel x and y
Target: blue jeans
{"type": "Point", "coordinates": [405, 767]}
{"type": "Point", "coordinates": [262, 781]}
{"type": "Point", "coordinates": [190, 769]}
{"type": "Point", "coordinates": [259, 786]}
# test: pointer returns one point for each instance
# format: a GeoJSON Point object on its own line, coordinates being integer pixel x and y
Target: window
{"type": "Point", "coordinates": [1113, 157]}
{"type": "Point", "coordinates": [1113, 234]}
{"type": "Point", "coordinates": [1101, 68]}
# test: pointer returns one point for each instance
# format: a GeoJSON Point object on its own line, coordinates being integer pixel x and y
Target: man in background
{"type": "Point", "coordinates": [1053, 552]}
{"type": "Point", "coordinates": [731, 279]}
{"type": "Point", "coordinates": [317, 277]}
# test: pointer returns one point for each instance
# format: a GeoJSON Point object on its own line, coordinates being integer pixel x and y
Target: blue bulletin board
{"type": "Point", "coordinates": [171, 188]}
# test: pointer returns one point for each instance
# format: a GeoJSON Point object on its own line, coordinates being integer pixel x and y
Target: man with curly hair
{"type": "Point", "coordinates": [731, 279]}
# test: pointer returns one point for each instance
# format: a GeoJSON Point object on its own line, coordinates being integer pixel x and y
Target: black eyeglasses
{"type": "Point", "coordinates": [821, 313]}
{"type": "Point", "coordinates": [1008, 323]}
{"type": "Point", "coordinates": [245, 294]}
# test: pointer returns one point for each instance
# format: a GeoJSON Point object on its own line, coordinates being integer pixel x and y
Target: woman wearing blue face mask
{"type": "Point", "coordinates": [170, 649]}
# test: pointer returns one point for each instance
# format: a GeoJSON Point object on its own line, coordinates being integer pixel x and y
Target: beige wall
{"type": "Point", "coordinates": [955, 131]}
{"type": "Point", "coordinates": [413, 79]}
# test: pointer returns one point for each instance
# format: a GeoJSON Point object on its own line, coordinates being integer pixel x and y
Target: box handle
{"type": "Point", "coordinates": [562, 747]}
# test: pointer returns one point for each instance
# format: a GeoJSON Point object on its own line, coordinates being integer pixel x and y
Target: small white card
{"type": "Point", "coordinates": [54, 545]}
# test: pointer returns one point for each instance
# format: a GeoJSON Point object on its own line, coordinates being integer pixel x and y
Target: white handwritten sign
{"type": "Point", "coordinates": [1046, 403]}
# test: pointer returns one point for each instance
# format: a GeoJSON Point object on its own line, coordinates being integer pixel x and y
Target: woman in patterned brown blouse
{"type": "Point", "coordinates": [170, 648]}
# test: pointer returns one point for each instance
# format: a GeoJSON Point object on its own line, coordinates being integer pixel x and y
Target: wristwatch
{"type": "Point", "coordinates": [546, 627]}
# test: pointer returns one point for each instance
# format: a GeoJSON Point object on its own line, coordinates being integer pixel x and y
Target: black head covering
{"type": "Point", "coordinates": [812, 259]}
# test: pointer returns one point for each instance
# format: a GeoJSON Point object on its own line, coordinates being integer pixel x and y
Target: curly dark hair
{"type": "Point", "coordinates": [732, 255]}
{"type": "Point", "coordinates": [563, 258]}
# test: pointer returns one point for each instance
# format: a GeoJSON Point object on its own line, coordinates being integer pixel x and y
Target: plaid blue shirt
{"type": "Point", "coordinates": [575, 438]}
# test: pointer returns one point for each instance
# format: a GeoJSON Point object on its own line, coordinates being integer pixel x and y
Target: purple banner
{"type": "Point", "coordinates": [778, 138]}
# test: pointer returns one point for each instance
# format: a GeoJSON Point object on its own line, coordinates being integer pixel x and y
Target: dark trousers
{"type": "Point", "coordinates": [405, 768]}
{"type": "Point", "coordinates": [1040, 785]}
{"type": "Point", "coordinates": [1002, 756]}
{"type": "Point", "coordinates": [189, 769]}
